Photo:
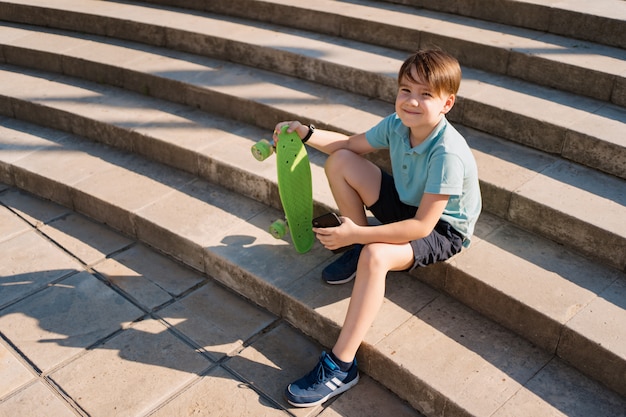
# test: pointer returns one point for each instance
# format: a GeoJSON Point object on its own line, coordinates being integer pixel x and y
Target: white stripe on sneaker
{"type": "Point", "coordinates": [333, 384]}
{"type": "Point", "coordinates": [338, 390]}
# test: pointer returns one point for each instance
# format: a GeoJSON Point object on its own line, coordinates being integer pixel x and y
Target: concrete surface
{"type": "Point", "coordinates": [503, 329]}
{"type": "Point", "coordinates": [94, 323]}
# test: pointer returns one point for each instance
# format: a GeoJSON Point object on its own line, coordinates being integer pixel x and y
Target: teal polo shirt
{"type": "Point", "coordinates": [442, 164]}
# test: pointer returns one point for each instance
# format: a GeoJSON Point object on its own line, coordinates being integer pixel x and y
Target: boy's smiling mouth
{"type": "Point", "coordinates": [412, 112]}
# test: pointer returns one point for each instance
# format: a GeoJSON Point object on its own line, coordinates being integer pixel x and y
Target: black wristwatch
{"type": "Point", "coordinates": [308, 135]}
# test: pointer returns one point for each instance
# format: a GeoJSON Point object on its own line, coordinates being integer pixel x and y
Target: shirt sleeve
{"type": "Point", "coordinates": [378, 136]}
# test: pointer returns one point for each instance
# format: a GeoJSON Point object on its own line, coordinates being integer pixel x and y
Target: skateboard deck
{"type": "Point", "coordinates": [294, 186]}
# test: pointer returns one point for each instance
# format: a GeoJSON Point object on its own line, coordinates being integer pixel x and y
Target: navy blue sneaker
{"type": "Point", "coordinates": [343, 269]}
{"type": "Point", "coordinates": [325, 381]}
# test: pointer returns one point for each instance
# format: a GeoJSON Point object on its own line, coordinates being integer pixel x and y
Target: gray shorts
{"type": "Point", "coordinates": [441, 244]}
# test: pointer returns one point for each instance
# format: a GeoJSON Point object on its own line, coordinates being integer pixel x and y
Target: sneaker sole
{"type": "Point", "coordinates": [343, 281]}
{"type": "Point", "coordinates": [336, 392]}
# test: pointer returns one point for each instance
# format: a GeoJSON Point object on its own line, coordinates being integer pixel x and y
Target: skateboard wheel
{"type": "Point", "coordinates": [278, 229]}
{"type": "Point", "coordinates": [262, 150]}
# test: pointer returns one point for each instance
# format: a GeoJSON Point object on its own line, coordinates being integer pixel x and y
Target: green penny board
{"type": "Point", "coordinates": [294, 186]}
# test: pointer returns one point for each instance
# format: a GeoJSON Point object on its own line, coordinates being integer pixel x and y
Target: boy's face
{"type": "Point", "coordinates": [419, 106]}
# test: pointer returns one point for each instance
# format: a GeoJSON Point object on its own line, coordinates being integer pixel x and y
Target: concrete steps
{"type": "Point", "coordinates": [555, 122]}
{"type": "Point", "coordinates": [508, 178]}
{"type": "Point", "coordinates": [599, 21]}
{"type": "Point", "coordinates": [532, 55]}
{"type": "Point", "coordinates": [527, 290]}
{"type": "Point", "coordinates": [440, 355]}
{"type": "Point", "coordinates": [474, 278]}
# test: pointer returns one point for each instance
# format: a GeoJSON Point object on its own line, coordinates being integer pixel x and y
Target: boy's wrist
{"type": "Point", "coordinates": [309, 133]}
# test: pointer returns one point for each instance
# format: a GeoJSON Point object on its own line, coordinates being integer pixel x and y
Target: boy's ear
{"type": "Point", "coordinates": [449, 103]}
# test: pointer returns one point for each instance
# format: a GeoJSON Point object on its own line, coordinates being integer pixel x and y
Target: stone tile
{"type": "Point", "coordinates": [557, 391]}
{"type": "Point", "coordinates": [250, 245]}
{"type": "Point", "coordinates": [220, 393]}
{"type": "Point", "coordinates": [34, 210]}
{"type": "Point", "coordinates": [190, 131]}
{"type": "Point", "coordinates": [446, 275]}
{"type": "Point", "coordinates": [85, 239]}
{"type": "Point", "coordinates": [64, 319]}
{"type": "Point", "coordinates": [113, 195]}
{"type": "Point", "coordinates": [535, 66]}
{"type": "Point", "coordinates": [404, 296]}
{"type": "Point", "coordinates": [316, 304]}
{"type": "Point", "coordinates": [20, 139]}
{"type": "Point", "coordinates": [595, 227]}
{"type": "Point", "coordinates": [45, 171]}
{"type": "Point", "coordinates": [276, 359]}
{"type": "Point", "coordinates": [512, 104]}
{"type": "Point", "coordinates": [486, 225]}
{"type": "Point", "coordinates": [233, 167]}
{"type": "Point", "coordinates": [106, 53]}
{"type": "Point", "coordinates": [30, 262]}
{"type": "Point", "coordinates": [131, 373]}
{"type": "Point", "coordinates": [217, 320]}
{"type": "Point", "coordinates": [148, 277]}
{"type": "Point", "coordinates": [51, 162]}
{"type": "Point", "coordinates": [594, 338]}
{"type": "Point", "coordinates": [35, 401]}
{"type": "Point", "coordinates": [595, 140]}
{"type": "Point", "coordinates": [120, 108]}
{"type": "Point", "coordinates": [13, 372]}
{"type": "Point", "coordinates": [546, 285]}
{"type": "Point", "coordinates": [462, 355]}
{"type": "Point", "coordinates": [192, 218]}
{"type": "Point", "coordinates": [10, 224]}
{"type": "Point", "coordinates": [504, 167]}
{"type": "Point", "coordinates": [369, 399]}
{"type": "Point", "coordinates": [50, 42]}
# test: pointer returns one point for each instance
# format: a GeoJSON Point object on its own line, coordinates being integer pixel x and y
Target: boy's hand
{"type": "Point", "coordinates": [337, 237]}
{"type": "Point", "coordinates": [294, 125]}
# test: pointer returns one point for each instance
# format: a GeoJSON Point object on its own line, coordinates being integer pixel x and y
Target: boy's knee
{"type": "Point", "coordinates": [338, 160]}
{"type": "Point", "coordinates": [380, 258]}
{"type": "Point", "coordinates": [374, 255]}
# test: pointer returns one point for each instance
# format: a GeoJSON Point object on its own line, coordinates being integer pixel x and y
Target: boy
{"type": "Point", "coordinates": [428, 208]}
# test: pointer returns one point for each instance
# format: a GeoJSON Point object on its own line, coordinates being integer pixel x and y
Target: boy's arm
{"type": "Point", "coordinates": [328, 141]}
{"type": "Point", "coordinates": [430, 211]}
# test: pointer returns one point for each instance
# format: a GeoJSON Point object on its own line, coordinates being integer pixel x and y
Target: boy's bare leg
{"type": "Point", "coordinates": [368, 293]}
{"type": "Point", "coordinates": [354, 182]}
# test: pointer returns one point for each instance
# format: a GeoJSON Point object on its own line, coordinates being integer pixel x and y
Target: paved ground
{"type": "Point", "coordinates": [93, 323]}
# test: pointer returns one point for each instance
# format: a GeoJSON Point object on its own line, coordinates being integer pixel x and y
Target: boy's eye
{"type": "Point", "coordinates": [427, 94]}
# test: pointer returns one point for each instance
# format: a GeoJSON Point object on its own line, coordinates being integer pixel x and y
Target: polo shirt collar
{"type": "Point", "coordinates": [432, 137]}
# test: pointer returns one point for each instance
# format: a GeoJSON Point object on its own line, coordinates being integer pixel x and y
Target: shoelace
{"type": "Point", "coordinates": [318, 375]}
{"type": "Point", "coordinates": [321, 373]}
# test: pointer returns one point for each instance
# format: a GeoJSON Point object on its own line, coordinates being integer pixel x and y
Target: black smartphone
{"type": "Point", "coordinates": [327, 220]}
{"type": "Point", "coordinates": [330, 220]}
